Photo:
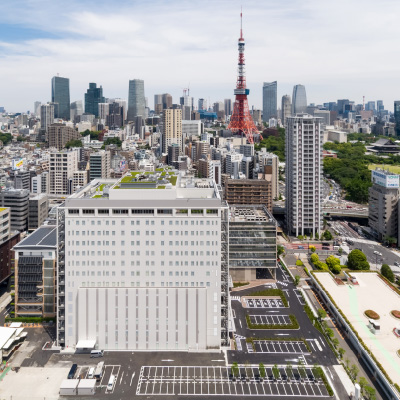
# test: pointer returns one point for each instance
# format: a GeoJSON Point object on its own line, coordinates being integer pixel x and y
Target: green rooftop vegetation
{"type": "Point", "coordinates": [97, 196]}
{"type": "Point", "coordinates": [101, 187]}
{"type": "Point", "coordinates": [132, 180]}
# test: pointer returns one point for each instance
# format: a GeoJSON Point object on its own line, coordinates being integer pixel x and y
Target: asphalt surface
{"type": "Point", "coordinates": [307, 331]}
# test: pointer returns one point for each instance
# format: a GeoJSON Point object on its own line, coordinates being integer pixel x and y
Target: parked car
{"type": "Point", "coordinates": [72, 371]}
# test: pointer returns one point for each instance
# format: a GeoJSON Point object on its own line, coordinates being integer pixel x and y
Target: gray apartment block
{"type": "Point", "coordinates": [17, 200]}
{"type": "Point", "coordinates": [38, 210]}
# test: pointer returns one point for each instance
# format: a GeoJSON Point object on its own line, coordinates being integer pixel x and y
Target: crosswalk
{"type": "Point", "coordinates": [282, 283]}
{"type": "Point", "coordinates": [235, 298]}
{"type": "Point", "coordinates": [238, 340]}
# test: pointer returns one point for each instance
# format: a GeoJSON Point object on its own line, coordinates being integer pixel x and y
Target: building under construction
{"type": "Point", "coordinates": [252, 243]}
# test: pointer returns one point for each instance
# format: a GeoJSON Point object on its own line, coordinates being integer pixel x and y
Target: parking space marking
{"type": "Point", "coordinates": [280, 346]}
{"type": "Point", "coordinates": [270, 319]}
{"type": "Point", "coordinates": [264, 303]}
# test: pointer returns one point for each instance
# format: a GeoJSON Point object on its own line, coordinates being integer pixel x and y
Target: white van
{"type": "Point", "coordinates": [110, 384]}
{"type": "Point", "coordinates": [91, 373]}
{"type": "Point", "coordinates": [96, 353]}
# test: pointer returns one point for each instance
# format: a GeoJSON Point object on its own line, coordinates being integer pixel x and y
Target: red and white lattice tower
{"type": "Point", "coordinates": [241, 120]}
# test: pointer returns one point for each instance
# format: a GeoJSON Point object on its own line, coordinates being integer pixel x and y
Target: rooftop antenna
{"type": "Point", "coordinates": [241, 31]}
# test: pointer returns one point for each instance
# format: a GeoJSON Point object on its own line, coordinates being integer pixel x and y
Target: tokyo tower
{"type": "Point", "coordinates": [241, 120]}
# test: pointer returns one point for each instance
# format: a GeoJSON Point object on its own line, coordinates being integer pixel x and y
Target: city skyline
{"type": "Point", "coordinates": [36, 47]}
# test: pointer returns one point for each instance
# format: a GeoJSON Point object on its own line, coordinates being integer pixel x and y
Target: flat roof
{"type": "Point", "coordinates": [371, 293]}
{"type": "Point", "coordinates": [46, 235]}
{"type": "Point", "coordinates": [6, 334]}
{"type": "Point", "coordinates": [87, 384]}
{"type": "Point", "coordinates": [86, 344]}
{"type": "Point", "coordinates": [70, 383]}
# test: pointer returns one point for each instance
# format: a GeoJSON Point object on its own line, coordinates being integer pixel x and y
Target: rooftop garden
{"type": "Point", "coordinates": [159, 179]}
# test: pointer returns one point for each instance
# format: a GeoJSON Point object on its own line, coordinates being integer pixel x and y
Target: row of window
{"type": "Point", "coordinates": [119, 211]}
{"type": "Point", "coordinates": [138, 222]}
{"type": "Point", "coordinates": [138, 243]}
{"type": "Point", "coordinates": [134, 273]}
{"type": "Point", "coordinates": [87, 263]}
{"type": "Point", "coordinates": [147, 284]}
{"type": "Point", "coordinates": [146, 233]}
{"type": "Point", "coordinates": [147, 253]}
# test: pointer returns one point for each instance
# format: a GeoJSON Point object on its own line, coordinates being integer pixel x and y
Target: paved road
{"type": "Point", "coordinates": [323, 356]}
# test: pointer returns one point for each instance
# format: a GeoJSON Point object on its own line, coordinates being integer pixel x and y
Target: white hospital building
{"type": "Point", "coordinates": [143, 264]}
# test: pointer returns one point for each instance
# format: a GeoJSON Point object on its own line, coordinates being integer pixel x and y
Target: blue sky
{"type": "Point", "coordinates": [337, 49]}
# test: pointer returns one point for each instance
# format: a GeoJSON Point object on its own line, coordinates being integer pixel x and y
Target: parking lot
{"type": "Point", "coordinates": [263, 303]}
{"type": "Point", "coordinates": [281, 346]}
{"type": "Point", "coordinates": [219, 381]}
{"type": "Point", "coordinates": [270, 319]}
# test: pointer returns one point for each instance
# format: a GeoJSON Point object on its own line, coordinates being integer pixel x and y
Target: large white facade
{"type": "Point", "coordinates": [143, 267]}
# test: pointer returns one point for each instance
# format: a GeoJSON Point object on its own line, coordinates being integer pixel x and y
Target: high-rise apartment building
{"type": "Point", "coordinates": [383, 204]}
{"type": "Point", "coordinates": [100, 163]}
{"type": "Point", "coordinates": [286, 108]}
{"type": "Point", "coordinates": [202, 104]}
{"type": "Point", "coordinates": [136, 99]}
{"type": "Point", "coordinates": [270, 90]}
{"type": "Point", "coordinates": [76, 109]}
{"type": "Point", "coordinates": [46, 115]}
{"type": "Point", "coordinates": [157, 100]}
{"type": "Point", "coordinates": [228, 107]}
{"type": "Point", "coordinates": [269, 169]}
{"type": "Point", "coordinates": [62, 167]}
{"type": "Point", "coordinates": [303, 175]}
{"type": "Point", "coordinates": [36, 108]}
{"type": "Point", "coordinates": [59, 135]}
{"type": "Point", "coordinates": [299, 99]}
{"type": "Point", "coordinates": [172, 128]}
{"type": "Point", "coordinates": [115, 117]}
{"type": "Point", "coordinates": [17, 200]}
{"type": "Point", "coordinates": [93, 96]}
{"type": "Point", "coordinates": [166, 100]}
{"type": "Point", "coordinates": [397, 116]}
{"type": "Point", "coordinates": [60, 95]}
{"type": "Point", "coordinates": [104, 109]}
{"type": "Point", "coordinates": [154, 274]}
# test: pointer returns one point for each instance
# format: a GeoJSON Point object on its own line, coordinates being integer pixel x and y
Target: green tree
{"type": "Point", "coordinates": [316, 236]}
{"type": "Point", "coordinates": [73, 143]}
{"type": "Point", "coordinates": [336, 269]}
{"type": "Point", "coordinates": [113, 140]}
{"type": "Point", "coordinates": [322, 266]}
{"type": "Point", "coordinates": [328, 235]}
{"type": "Point", "coordinates": [357, 260]}
{"type": "Point", "coordinates": [302, 369]}
{"type": "Point", "coordinates": [289, 370]}
{"type": "Point", "coordinates": [280, 249]}
{"type": "Point", "coordinates": [347, 362]}
{"type": "Point", "coordinates": [312, 249]}
{"type": "Point", "coordinates": [275, 372]}
{"type": "Point", "coordinates": [297, 280]}
{"type": "Point", "coordinates": [335, 342]}
{"type": "Point", "coordinates": [314, 258]}
{"type": "Point", "coordinates": [300, 237]}
{"type": "Point", "coordinates": [321, 314]}
{"type": "Point", "coordinates": [261, 369]}
{"type": "Point", "coordinates": [354, 371]}
{"type": "Point", "coordinates": [331, 261]}
{"type": "Point", "coordinates": [387, 272]}
{"type": "Point", "coordinates": [370, 392]}
{"type": "Point", "coordinates": [329, 333]}
{"type": "Point", "coordinates": [21, 139]}
{"type": "Point", "coordinates": [235, 369]}
{"type": "Point", "coordinates": [340, 250]}
{"type": "Point", "coordinates": [341, 352]}
{"type": "Point", "coordinates": [316, 370]}
{"type": "Point", "coordinates": [362, 382]}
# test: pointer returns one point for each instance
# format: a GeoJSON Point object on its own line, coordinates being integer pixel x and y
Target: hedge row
{"type": "Point", "coordinates": [378, 364]}
{"type": "Point", "coordinates": [293, 324]}
{"type": "Point", "coordinates": [290, 339]}
{"type": "Point", "coordinates": [326, 383]}
{"type": "Point", "coordinates": [30, 319]}
{"type": "Point", "coordinates": [271, 292]}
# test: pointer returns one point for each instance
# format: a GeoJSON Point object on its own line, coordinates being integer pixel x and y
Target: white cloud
{"type": "Point", "coordinates": [338, 49]}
